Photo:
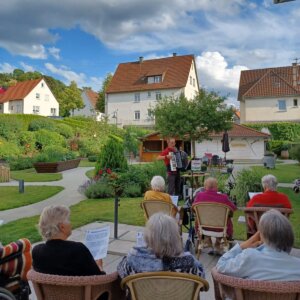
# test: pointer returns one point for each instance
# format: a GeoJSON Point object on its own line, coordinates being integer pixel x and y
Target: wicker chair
{"type": "Point", "coordinates": [253, 214]}
{"type": "Point", "coordinates": [211, 216]}
{"type": "Point", "coordinates": [56, 287]}
{"type": "Point", "coordinates": [165, 285]}
{"type": "Point", "coordinates": [228, 287]}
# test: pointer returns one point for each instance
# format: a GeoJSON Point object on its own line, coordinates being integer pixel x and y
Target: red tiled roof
{"type": "Point", "coordinates": [271, 82]}
{"type": "Point", "coordinates": [237, 113]}
{"type": "Point", "coordinates": [92, 96]}
{"type": "Point", "coordinates": [132, 76]}
{"type": "Point", "coordinates": [19, 91]}
{"type": "Point", "coordinates": [241, 131]}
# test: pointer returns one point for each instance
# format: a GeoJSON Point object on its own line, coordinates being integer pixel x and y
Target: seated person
{"type": "Point", "coordinates": [57, 255]}
{"type": "Point", "coordinates": [157, 193]}
{"type": "Point", "coordinates": [163, 251]}
{"type": "Point", "coordinates": [265, 256]}
{"type": "Point", "coordinates": [270, 197]}
{"type": "Point", "coordinates": [210, 194]}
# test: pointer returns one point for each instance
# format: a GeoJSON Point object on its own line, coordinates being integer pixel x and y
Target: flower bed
{"type": "Point", "coordinates": [55, 167]}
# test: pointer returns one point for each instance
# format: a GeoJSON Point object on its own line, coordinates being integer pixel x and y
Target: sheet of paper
{"type": "Point", "coordinates": [241, 219]}
{"type": "Point", "coordinates": [175, 200]}
{"type": "Point", "coordinates": [251, 194]}
{"type": "Point", "coordinates": [140, 242]}
{"type": "Point", "coordinates": [97, 241]}
{"type": "Point", "coordinates": [196, 165]}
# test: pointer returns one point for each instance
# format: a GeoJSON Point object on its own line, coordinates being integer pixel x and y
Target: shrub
{"type": "Point", "coordinates": [295, 152]}
{"type": "Point", "coordinates": [21, 163]}
{"type": "Point", "coordinates": [89, 146]}
{"type": "Point", "coordinates": [92, 158]}
{"type": "Point", "coordinates": [112, 155]}
{"type": "Point", "coordinates": [247, 180]}
{"type": "Point", "coordinates": [99, 190]}
{"type": "Point", "coordinates": [54, 154]}
{"type": "Point", "coordinates": [64, 130]}
{"type": "Point", "coordinates": [8, 150]}
{"type": "Point", "coordinates": [9, 127]}
{"type": "Point", "coordinates": [132, 190]}
{"type": "Point", "coordinates": [45, 138]}
{"type": "Point", "coordinates": [275, 146]}
{"type": "Point", "coordinates": [41, 123]}
{"type": "Point", "coordinates": [27, 141]}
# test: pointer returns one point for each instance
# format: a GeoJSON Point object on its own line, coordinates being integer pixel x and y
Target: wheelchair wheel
{"type": "Point", "coordinates": [6, 295]}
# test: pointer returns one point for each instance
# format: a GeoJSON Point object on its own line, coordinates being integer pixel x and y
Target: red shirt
{"type": "Point", "coordinates": [270, 198]}
{"type": "Point", "coordinates": [166, 160]}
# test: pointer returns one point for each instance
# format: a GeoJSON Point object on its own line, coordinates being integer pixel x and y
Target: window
{"type": "Point", "coordinates": [281, 105]}
{"type": "Point", "coordinates": [53, 111]}
{"type": "Point", "coordinates": [154, 79]}
{"type": "Point", "coordinates": [149, 94]}
{"type": "Point", "coordinates": [194, 82]}
{"type": "Point", "coordinates": [42, 84]}
{"type": "Point", "coordinates": [37, 95]}
{"type": "Point", "coordinates": [0, 106]}
{"type": "Point", "coordinates": [295, 102]}
{"type": "Point", "coordinates": [191, 80]}
{"type": "Point", "coordinates": [12, 107]}
{"type": "Point", "coordinates": [158, 95]}
{"type": "Point", "coordinates": [137, 97]}
{"type": "Point", "coordinates": [150, 79]}
{"type": "Point", "coordinates": [137, 115]}
{"type": "Point", "coordinates": [36, 109]}
{"type": "Point", "coordinates": [46, 97]}
{"type": "Point", "coordinates": [157, 79]}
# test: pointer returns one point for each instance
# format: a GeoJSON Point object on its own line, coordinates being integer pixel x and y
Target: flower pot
{"type": "Point", "coordinates": [55, 167]}
{"type": "Point", "coordinates": [284, 154]}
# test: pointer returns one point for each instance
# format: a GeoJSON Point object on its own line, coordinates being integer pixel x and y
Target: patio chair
{"type": "Point", "coordinates": [253, 214]}
{"type": "Point", "coordinates": [151, 207]}
{"type": "Point", "coordinates": [165, 285]}
{"type": "Point", "coordinates": [56, 287]}
{"type": "Point", "coordinates": [212, 222]}
{"type": "Point", "coordinates": [228, 287]}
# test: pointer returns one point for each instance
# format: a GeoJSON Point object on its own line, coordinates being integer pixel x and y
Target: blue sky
{"type": "Point", "coordinates": [84, 40]}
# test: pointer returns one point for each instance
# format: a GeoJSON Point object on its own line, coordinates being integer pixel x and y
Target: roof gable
{"type": "Point", "coordinates": [19, 91]}
{"type": "Point", "coordinates": [271, 82]}
{"type": "Point", "coordinates": [132, 76]}
{"type": "Point", "coordinates": [92, 97]}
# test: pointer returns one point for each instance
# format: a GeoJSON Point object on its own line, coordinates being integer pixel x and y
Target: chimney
{"type": "Point", "coordinates": [295, 73]}
{"type": "Point", "coordinates": [141, 59]}
{"type": "Point", "coordinates": [174, 54]}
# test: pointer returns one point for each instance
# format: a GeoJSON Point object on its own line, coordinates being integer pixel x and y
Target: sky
{"type": "Point", "coordinates": [85, 40]}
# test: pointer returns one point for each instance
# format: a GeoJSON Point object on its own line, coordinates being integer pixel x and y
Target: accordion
{"type": "Point", "coordinates": [175, 161]}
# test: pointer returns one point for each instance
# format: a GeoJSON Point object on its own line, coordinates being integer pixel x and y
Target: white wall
{"type": "Point", "coordinates": [125, 105]}
{"type": "Point", "coordinates": [192, 85]}
{"type": "Point", "coordinates": [45, 102]}
{"type": "Point", "coordinates": [88, 110]}
{"type": "Point", "coordinates": [266, 109]}
{"type": "Point", "coordinates": [240, 148]}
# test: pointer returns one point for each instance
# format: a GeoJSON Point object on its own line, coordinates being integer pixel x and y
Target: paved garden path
{"type": "Point", "coordinates": [71, 180]}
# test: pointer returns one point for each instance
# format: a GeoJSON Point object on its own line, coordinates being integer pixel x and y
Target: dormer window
{"type": "Point", "coordinates": [154, 79]}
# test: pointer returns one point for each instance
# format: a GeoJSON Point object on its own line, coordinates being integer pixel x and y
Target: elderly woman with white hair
{"type": "Point", "coordinates": [57, 255]}
{"type": "Point", "coordinates": [157, 192]}
{"type": "Point", "coordinates": [266, 255]}
{"type": "Point", "coordinates": [163, 251]}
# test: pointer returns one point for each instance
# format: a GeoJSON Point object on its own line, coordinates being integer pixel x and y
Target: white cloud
{"type": "Point", "coordinates": [6, 68]}
{"type": "Point", "coordinates": [54, 52]}
{"type": "Point", "coordinates": [26, 68]}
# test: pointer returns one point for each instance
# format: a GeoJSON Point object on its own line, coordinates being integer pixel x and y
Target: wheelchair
{"type": "Point", "coordinates": [15, 261]}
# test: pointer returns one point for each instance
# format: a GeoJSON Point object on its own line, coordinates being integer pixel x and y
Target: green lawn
{"type": "Point", "coordinates": [283, 172]}
{"type": "Point", "coordinates": [30, 175]}
{"type": "Point", "coordinates": [90, 173]}
{"type": "Point", "coordinates": [85, 163]}
{"type": "Point", "coordinates": [129, 213]}
{"type": "Point", "coordinates": [11, 198]}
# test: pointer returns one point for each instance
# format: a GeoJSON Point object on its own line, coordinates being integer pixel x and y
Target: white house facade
{"type": "Point", "coordinates": [136, 87]}
{"type": "Point", "coordinates": [29, 97]}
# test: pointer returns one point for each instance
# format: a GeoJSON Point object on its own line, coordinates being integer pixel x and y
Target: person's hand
{"type": "Point", "coordinates": [168, 156]}
{"type": "Point", "coordinates": [253, 242]}
{"type": "Point", "coordinates": [99, 262]}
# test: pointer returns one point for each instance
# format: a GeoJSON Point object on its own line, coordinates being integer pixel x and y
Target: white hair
{"type": "Point", "coordinates": [269, 181]}
{"type": "Point", "coordinates": [50, 219]}
{"type": "Point", "coordinates": [162, 236]}
{"type": "Point", "coordinates": [158, 184]}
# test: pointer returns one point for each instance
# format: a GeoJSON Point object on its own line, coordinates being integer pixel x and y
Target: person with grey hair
{"type": "Point", "coordinates": [158, 192]}
{"type": "Point", "coordinates": [265, 256]}
{"type": "Point", "coordinates": [270, 197]}
{"type": "Point", "coordinates": [57, 255]}
{"type": "Point", "coordinates": [163, 251]}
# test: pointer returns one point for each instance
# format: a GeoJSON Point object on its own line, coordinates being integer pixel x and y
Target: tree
{"type": "Point", "coordinates": [100, 105]}
{"type": "Point", "coordinates": [192, 119]}
{"type": "Point", "coordinates": [70, 99]}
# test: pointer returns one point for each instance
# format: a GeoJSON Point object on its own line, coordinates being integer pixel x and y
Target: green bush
{"type": "Point", "coordinates": [9, 127]}
{"type": "Point", "coordinates": [92, 158]}
{"type": "Point", "coordinates": [112, 155]}
{"type": "Point", "coordinates": [21, 163]}
{"type": "Point", "coordinates": [89, 146]}
{"type": "Point", "coordinates": [27, 141]}
{"type": "Point", "coordinates": [45, 138]}
{"type": "Point", "coordinates": [295, 152]}
{"type": "Point", "coordinates": [99, 190]}
{"type": "Point", "coordinates": [42, 123]}
{"type": "Point", "coordinates": [54, 154]}
{"type": "Point", "coordinates": [132, 190]}
{"type": "Point", "coordinates": [64, 130]}
{"type": "Point", "coordinates": [8, 150]}
{"type": "Point", "coordinates": [247, 180]}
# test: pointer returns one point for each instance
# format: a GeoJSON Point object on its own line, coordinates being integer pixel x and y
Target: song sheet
{"type": "Point", "coordinates": [97, 241]}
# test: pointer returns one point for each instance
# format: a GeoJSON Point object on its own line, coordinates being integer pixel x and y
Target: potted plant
{"type": "Point", "coordinates": [55, 159]}
{"type": "Point", "coordinates": [284, 151]}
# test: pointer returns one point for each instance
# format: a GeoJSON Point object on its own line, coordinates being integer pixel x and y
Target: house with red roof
{"type": "Point", "coordinates": [29, 97]}
{"type": "Point", "coordinates": [89, 98]}
{"type": "Point", "coordinates": [137, 86]}
{"type": "Point", "coordinates": [270, 95]}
